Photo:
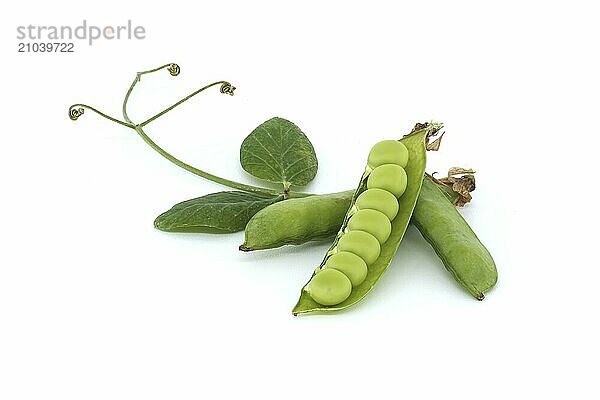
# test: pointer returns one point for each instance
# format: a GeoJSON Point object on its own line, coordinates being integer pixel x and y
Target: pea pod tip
{"type": "Point", "coordinates": [243, 247]}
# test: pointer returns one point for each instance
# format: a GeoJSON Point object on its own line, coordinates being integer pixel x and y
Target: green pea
{"type": "Point", "coordinates": [380, 200]}
{"type": "Point", "coordinates": [363, 244]}
{"type": "Point", "coordinates": [388, 177]}
{"type": "Point", "coordinates": [388, 152]}
{"type": "Point", "coordinates": [350, 264]}
{"type": "Point", "coordinates": [329, 287]}
{"type": "Point", "coordinates": [373, 222]}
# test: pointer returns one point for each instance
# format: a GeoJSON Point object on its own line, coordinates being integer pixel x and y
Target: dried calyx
{"type": "Point", "coordinates": [459, 184]}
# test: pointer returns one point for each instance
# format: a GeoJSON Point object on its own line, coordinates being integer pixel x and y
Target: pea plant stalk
{"type": "Point", "coordinates": [76, 110]}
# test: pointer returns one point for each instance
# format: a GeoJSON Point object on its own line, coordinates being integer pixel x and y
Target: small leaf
{"type": "Point", "coordinates": [221, 212]}
{"type": "Point", "coordinates": [277, 151]}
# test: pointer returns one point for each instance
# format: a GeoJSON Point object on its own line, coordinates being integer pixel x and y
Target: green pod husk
{"type": "Point", "coordinates": [454, 241]}
{"type": "Point", "coordinates": [415, 169]}
{"type": "Point", "coordinates": [296, 221]}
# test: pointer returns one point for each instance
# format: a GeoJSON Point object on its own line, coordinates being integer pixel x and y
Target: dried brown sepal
{"type": "Point", "coordinates": [463, 186]}
{"type": "Point", "coordinates": [435, 145]}
{"type": "Point", "coordinates": [434, 129]}
{"type": "Point", "coordinates": [461, 181]}
{"type": "Point", "coordinates": [455, 171]}
{"type": "Point", "coordinates": [419, 126]}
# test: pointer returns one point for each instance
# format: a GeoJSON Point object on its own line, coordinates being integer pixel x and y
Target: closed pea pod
{"type": "Point", "coordinates": [462, 253]}
{"type": "Point", "coordinates": [307, 218]}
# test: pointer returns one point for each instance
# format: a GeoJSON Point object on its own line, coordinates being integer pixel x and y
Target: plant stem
{"type": "Point", "coordinates": [76, 110]}
{"type": "Point", "coordinates": [225, 88]}
{"type": "Point", "coordinates": [203, 174]}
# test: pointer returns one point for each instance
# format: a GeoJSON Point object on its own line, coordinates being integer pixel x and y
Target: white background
{"type": "Point", "coordinates": [97, 304]}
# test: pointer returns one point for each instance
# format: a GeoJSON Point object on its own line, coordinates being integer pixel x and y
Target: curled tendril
{"type": "Point", "coordinates": [227, 88]}
{"type": "Point", "coordinates": [174, 69]}
{"type": "Point", "coordinates": [75, 113]}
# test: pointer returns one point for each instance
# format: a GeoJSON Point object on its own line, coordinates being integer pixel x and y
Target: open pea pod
{"type": "Point", "coordinates": [416, 143]}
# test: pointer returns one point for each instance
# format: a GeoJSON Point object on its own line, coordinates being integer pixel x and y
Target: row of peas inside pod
{"type": "Point", "coordinates": [368, 227]}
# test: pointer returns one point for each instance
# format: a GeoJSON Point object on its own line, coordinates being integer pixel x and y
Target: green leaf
{"type": "Point", "coordinates": [221, 212]}
{"type": "Point", "coordinates": [277, 151]}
